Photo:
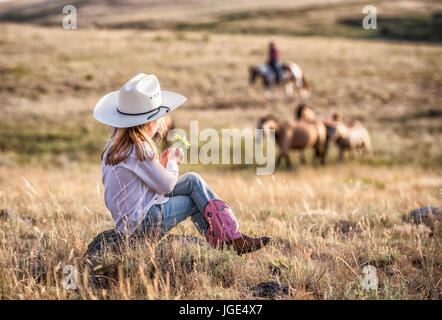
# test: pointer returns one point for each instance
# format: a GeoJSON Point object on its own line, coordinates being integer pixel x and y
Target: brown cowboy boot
{"type": "Point", "coordinates": [247, 244]}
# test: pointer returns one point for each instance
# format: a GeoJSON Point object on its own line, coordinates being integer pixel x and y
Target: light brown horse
{"type": "Point", "coordinates": [352, 136]}
{"type": "Point", "coordinates": [296, 135]}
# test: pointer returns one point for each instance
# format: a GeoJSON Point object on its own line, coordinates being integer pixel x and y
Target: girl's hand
{"type": "Point", "coordinates": [175, 154]}
{"type": "Point", "coordinates": [163, 157]}
{"type": "Point", "coordinates": [171, 154]}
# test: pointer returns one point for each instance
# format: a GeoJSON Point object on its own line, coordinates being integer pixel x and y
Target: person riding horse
{"type": "Point", "coordinates": [274, 72]}
{"type": "Point", "coordinates": [274, 62]}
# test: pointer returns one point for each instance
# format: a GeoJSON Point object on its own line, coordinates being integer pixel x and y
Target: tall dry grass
{"type": "Point", "coordinates": [306, 212]}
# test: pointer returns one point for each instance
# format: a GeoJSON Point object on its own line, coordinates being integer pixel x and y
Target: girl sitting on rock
{"type": "Point", "coordinates": [142, 188]}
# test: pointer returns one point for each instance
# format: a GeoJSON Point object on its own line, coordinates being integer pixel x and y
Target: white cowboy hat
{"type": "Point", "coordinates": [139, 101]}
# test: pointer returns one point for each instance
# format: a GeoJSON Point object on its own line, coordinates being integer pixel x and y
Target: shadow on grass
{"type": "Point", "coordinates": [405, 28]}
{"type": "Point", "coordinates": [415, 27]}
{"type": "Point", "coordinates": [425, 114]}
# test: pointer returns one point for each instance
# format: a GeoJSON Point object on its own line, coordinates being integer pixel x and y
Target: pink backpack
{"type": "Point", "coordinates": [222, 223]}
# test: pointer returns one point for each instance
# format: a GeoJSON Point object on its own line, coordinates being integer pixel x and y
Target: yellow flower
{"type": "Point", "coordinates": [182, 141]}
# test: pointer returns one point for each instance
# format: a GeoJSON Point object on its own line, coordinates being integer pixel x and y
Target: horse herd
{"type": "Point", "coordinates": [308, 130]}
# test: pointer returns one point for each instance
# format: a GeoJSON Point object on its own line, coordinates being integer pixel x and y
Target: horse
{"type": "Point", "coordinates": [296, 135]}
{"type": "Point", "coordinates": [352, 136]}
{"type": "Point", "coordinates": [292, 74]}
{"type": "Point", "coordinates": [306, 113]}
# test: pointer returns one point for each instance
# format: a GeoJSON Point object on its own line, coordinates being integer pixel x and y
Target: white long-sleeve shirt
{"type": "Point", "coordinates": [132, 187]}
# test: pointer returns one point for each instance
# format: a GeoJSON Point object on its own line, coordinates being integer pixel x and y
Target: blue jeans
{"type": "Point", "coordinates": [188, 199]}
{"type": "Point", "coordinates": [277, 68]}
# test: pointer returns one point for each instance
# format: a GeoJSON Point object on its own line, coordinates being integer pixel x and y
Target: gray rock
{"type": "Point", "coordinates": [269, 289]}
{"type": "Point", "coordinates": [420, 214]}
{"type": "Point", "coordinates": [428, 215]}
{"type": "Point", "coordinates": [344, 226]}
{"type": "Point", "coordinates": [8, 214]}
{"type": "Point", "coordinates": [110, 240]}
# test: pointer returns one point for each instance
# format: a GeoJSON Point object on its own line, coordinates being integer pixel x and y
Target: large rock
{"type": "Point", "coordinates": [269, 289]}
{"type": "Point", "coordinates": [428, 215]}
{"type": "Point", "coordinates": [110, 241]}
{"type": "Point", "coordinates": [115, 241]}
{"type": "Point", "coordinates": [346, 227]}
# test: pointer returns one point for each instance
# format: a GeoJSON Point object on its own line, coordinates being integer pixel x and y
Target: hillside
{"type": "Point", "coordinates": [403, 20]}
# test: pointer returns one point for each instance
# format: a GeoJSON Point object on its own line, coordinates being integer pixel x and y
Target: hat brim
{"type": "Point", "coordinates": [106, 110]}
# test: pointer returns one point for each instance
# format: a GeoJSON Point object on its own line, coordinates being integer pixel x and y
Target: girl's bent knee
{"type": "Point", "coordinates": [192, 176]}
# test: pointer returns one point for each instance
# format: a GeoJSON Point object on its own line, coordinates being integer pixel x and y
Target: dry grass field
{"type": "Point", "coordinates": [313, 252]}
{"type": "Point", "coordinates": [327, 223]}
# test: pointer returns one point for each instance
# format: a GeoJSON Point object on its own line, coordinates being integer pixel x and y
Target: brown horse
{"type": "Point", "coordinates": [296, 135]}
{"type": "Point", "coordinates": [306, 113]}
{"type": "Point", "coordinates": [292, 74]}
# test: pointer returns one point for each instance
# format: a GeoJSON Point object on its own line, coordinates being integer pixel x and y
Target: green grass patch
{"type": "Point", "coordinates": [39, 138]}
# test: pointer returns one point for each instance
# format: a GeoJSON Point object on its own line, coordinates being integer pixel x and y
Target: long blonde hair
{"type": "Point", "coordinates": [123, 140]}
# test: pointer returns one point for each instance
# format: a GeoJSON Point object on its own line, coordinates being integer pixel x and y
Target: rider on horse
{"type": "Point", "coordinates": [274, 61]}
